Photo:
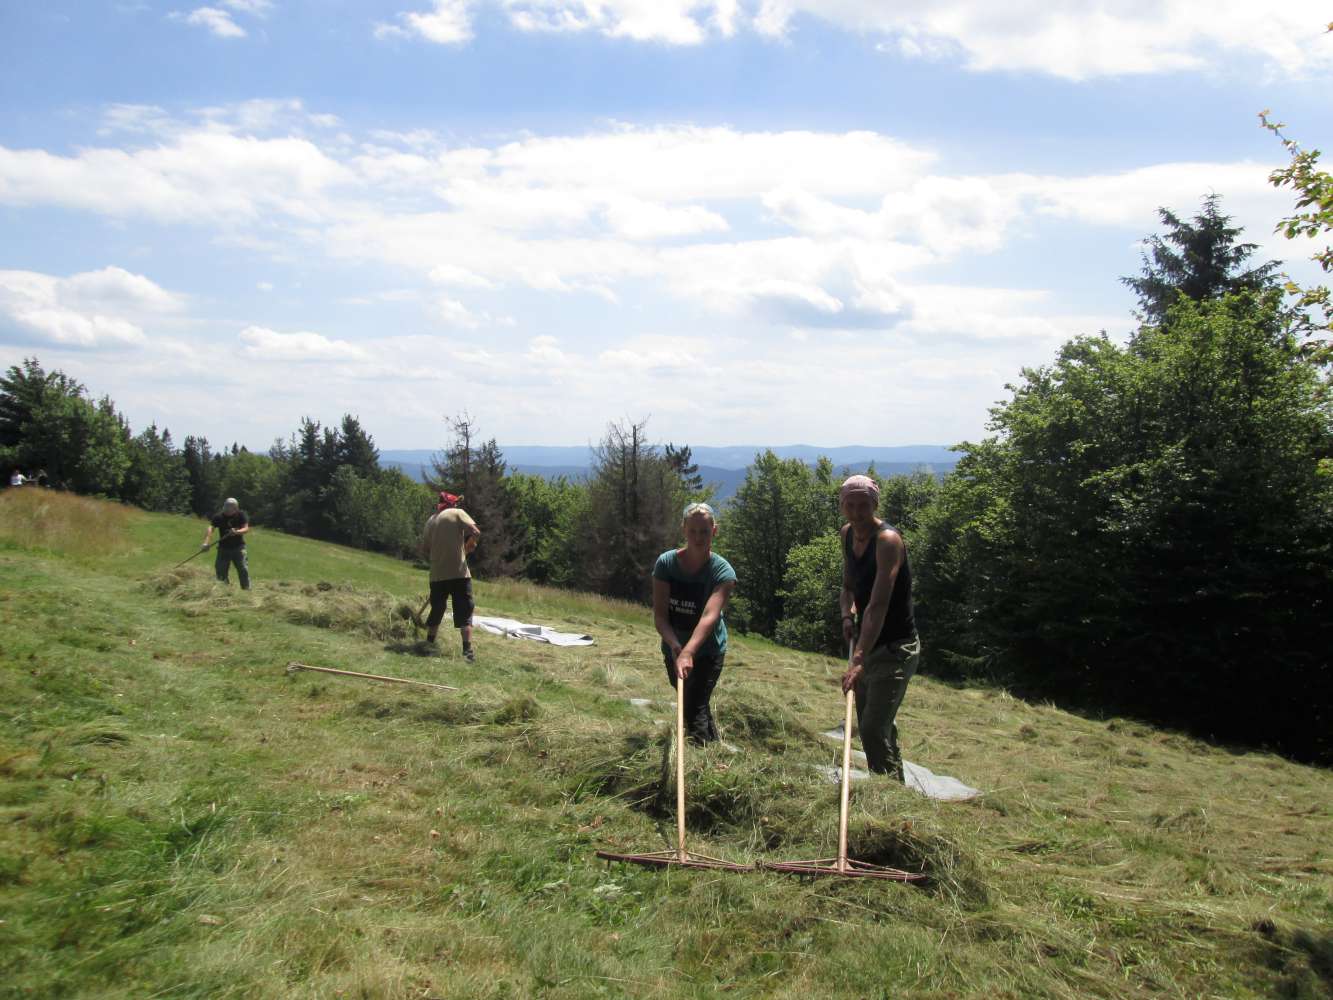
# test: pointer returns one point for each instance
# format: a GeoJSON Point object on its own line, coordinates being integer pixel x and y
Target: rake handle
{"type": "Point", "coordinates": [849, 699]}
{"type": "Point", "coordinates": [294, 666]}
{"type": "Point", "coordinates": [680, 766]}
{"type": "Point", "coordinates": [202, 550]}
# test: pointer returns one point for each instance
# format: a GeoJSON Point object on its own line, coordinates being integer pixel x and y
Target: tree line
{"type": "Point", "coordinates": [1146, 528]}
{"type": "Point", "coordinates": [326, 482]}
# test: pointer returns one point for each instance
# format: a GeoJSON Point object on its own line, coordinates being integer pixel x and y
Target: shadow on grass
{"type": "Point", "coordinates": [420, 648]}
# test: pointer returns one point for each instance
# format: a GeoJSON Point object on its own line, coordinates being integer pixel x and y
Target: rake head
{"type": "Point", "coordinates": [667, 859]}
{"type": "Point", "coordinates": [847, 868]}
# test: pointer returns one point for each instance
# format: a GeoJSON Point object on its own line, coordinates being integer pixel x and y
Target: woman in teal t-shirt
{"type": "Point", "coordinates": [691, 586]}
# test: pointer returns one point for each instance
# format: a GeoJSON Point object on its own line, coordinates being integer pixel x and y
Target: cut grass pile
{"type": "Point", "coordinates": [323, 605]}
{"type": "Point", "coordinates": [179, 817]}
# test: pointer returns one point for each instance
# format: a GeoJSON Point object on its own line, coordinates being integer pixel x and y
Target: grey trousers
{"type": "Point", "coordinates": [879, 691]}
{"type": "Point", "coordinates": [225, 558]}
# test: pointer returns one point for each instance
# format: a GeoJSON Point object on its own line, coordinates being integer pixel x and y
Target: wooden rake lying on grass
{"type": "Point", "coordinates": [842, 865]}
{"type": "Point", "coordinates": [293, 667]}
{"type": "Point", "coordinates": [680, 856]}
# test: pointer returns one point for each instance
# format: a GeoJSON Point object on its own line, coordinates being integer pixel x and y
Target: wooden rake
{"type": "Point", "coordinates": [202, 549]}
{"type": "Point", "coordinates": [842, 865]}
{"type": "Point", "coordinates": [680, 856]}
{"type": "Point", "coordinates": [293, 667]}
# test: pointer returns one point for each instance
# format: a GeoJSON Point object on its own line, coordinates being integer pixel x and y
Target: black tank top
{"type": "Point", "coordinates": [899, 620]}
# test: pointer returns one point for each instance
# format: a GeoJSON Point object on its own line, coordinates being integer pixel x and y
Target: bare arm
{"type": "Point", "coordinates": [717, 600]}
{"type": "Point", "coordinates": [889, 552]}
{"type": "Point", "coordinates": [662, 615]}
{"type": "Point", "coordinates": [847, 595]}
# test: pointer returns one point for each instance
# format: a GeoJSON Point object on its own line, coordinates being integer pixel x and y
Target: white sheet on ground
{"type": "Point", "coordinates": [916, 777]}
{"type": "Point", "coordinates": [538, 633]}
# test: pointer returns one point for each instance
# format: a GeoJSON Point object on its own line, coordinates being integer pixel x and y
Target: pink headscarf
{"type": "Point", "coordinates": [447, 500]}
{"type": "Point", "coordinates": [859, 484]}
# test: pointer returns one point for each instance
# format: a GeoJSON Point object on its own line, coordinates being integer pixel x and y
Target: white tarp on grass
{"type": "Point", "coordinates": [916, 777]}
{"type": "Point", "coordinates": [513, 629]}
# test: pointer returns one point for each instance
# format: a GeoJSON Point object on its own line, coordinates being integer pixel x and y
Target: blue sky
{"type": "Point", "coordinates": [774, 221]}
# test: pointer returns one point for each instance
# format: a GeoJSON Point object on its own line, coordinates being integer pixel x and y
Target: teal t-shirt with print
{"type": "Point", "coordinates": [689, 595]}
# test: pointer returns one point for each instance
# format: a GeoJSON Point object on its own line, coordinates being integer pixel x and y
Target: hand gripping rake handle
{"type": "Point", "coordinates": [188, 558]}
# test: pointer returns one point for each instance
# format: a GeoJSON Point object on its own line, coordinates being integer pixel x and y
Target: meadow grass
{"type": "Point", "coordinates": [179, 817]}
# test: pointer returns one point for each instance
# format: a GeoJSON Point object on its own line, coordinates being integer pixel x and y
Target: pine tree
{"type": "Point", "coordinates": [1199, 259]}
{"type": "Point", "coordinates": [680, 460]}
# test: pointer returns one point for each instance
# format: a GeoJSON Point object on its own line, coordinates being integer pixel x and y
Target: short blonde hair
{"type": "Point", "coordinates": [698, 507]}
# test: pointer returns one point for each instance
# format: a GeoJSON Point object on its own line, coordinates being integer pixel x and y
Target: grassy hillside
{"type": "Point", "coordinates": [180, 817]}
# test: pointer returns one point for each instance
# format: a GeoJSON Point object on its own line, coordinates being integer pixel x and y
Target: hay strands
{"type": "Point", "coordinates": [417, 620]}
{"type": "Point", "coordinates": [680, 857]}
{"type": "Point", "coordinates": [293, 667]}
{"type": "Point", "coordinates": [842, 865]}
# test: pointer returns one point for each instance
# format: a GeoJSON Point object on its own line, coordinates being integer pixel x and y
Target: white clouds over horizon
{"type": "Point", "coordinates": [797, 227]}
{"type": "Point", "coordinates": [1078, 40]}
{"type": "Point", "coordinates": [589, 274]}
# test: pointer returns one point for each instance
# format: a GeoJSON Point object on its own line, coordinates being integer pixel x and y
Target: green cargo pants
{"type": "Point", "coordinates": [879, 691]}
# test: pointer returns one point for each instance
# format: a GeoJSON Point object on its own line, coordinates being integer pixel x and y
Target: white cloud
{"type": "Point", "coordinates": [144, 118]}
{"type": "Point", "coordinates": [1123, 198]}
{"type": "Point", "coordinates": [677, 22]}
{"type": "Point", "coordinates": [1076, 40]}
{"type": "Point", "coordinates": [198, 176]}
{"type": "Point", "coordinates": [791, 230]}
{"type": "Point", "coordinates": [1079, 39]}
{"type": "Point", "coordinates": [449, 22]}
{"type": "Point", "coordinates": [94, 309]}
{"type": "Point", "coordinates": [263, 344]}
{"type": "Point", "coordinates": [453, 274]}
{"type": "Point", "coordinates": [653, 356]}
{"type": "Point", "coordinates": [116, 288]}
{"type": "Point", "coordinates": [451, 312]}
{"type": "Point", "coordinates": [217, 21]}
{"type": "Point", "coordinates": [637, 219]}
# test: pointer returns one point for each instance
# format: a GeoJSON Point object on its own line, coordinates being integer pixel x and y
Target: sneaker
{"type": "Point", "coordinates": [469, 655]}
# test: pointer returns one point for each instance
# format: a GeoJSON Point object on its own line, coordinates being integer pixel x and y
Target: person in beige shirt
{"type": "Point", "coordinates": [449, 536]}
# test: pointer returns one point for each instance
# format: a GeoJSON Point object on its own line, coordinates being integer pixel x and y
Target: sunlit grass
{"type": "Point", "coordinates": [180, 817]}
{"type": "Point", "coordinates": [71, 525]}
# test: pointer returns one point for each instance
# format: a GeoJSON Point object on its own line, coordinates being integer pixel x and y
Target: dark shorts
{"type": "Point", "coordinates": [460, 592]}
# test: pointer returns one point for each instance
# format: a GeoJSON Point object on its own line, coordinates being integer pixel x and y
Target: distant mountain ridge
{"type": "Point", "coordinates": [728, 457]}
{"type": "Point", "coordinates": [722, 467]}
